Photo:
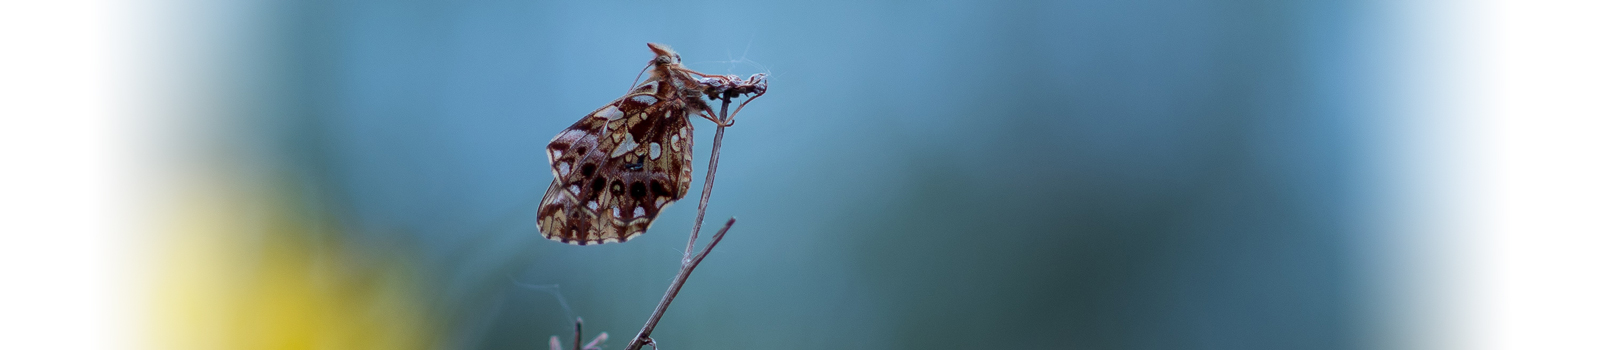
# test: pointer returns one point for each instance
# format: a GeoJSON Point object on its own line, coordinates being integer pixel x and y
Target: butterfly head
{"type": "Point", "coordinates": [664, 54]}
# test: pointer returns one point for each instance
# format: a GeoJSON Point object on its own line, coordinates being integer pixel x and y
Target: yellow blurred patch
{"type": "Point", "coordinates": [253, 269]}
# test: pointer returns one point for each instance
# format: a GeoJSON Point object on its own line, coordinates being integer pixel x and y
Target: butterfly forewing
{"type": "Point", "coordinates": [616, 168]}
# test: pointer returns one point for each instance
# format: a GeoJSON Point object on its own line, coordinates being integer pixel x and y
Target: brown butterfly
{"type": "Point", "coordinates": [619, 166]}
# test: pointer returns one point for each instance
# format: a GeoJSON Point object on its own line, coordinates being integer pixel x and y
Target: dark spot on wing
{"type": "Point", "coordinates": [595, 186]}
{"type": "Point", "coordinates": [636, 190]}
{"type": "Point", "coordinates": [660, 190]}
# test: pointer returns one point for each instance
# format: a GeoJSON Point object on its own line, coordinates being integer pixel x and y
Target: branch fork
{"type": "Point", "coordinates": [724, 88]}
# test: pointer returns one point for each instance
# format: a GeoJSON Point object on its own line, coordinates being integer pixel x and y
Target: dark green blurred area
{"type": "Point", "coordinates": [965, 175]}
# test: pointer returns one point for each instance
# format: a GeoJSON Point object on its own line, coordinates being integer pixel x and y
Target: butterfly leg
{"type": "Point", "coordinates": [712, 116]}
{"type": "Point", "coordinates": [741, 105]}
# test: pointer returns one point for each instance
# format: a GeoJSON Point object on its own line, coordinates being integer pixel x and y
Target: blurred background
{"type": "Point", "coordinates": [947, 174]}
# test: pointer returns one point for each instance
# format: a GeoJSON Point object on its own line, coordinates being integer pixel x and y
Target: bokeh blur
{"type": "Point", "coordinates": [1096, 175]}
{"type": "Point", "coordinates": [942, 174]}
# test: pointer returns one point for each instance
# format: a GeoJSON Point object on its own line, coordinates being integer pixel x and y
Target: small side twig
{"type": "Point", "coordinates": [595, 344]}
{"type": "Point", "coordinates": [577, 337]}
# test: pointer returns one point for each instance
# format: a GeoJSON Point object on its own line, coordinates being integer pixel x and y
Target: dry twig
{"type": "Point", "coordinates": [577, 336]}
{"type": "Point", "coordinates": [691, 260]}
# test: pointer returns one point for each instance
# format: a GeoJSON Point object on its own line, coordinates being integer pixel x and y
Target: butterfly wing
{"type": "Point", "coordinates": [616, 168]}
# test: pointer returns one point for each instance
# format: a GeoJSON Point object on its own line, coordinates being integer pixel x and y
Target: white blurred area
{"type": "Point", "coordinates": [100, 105]}
{"type": "Point", "coordinates": [1496, 148]}
{"type": "Point", "coordinates": [1534, 279]}
{"type": "Point", "coordinates": [66, 210]}
{"type": "Point", "coordinates": [1498, 158]}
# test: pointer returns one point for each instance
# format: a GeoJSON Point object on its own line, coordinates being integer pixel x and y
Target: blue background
{"type": "Point", "coordinates": [971, 175]}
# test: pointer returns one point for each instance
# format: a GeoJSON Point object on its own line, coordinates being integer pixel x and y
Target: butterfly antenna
{"type": "Point", "coordinates": [637, 76]}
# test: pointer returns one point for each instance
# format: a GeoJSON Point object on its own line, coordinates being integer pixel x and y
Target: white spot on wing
{"type": "Point", "coordinates": [594, 206]}
{"type": "Point", "coordinates": [609, 113]}
{"type": "Point", "coordinates": [567, 136]}
{"type": "Point", "coordinates": [555, 154]}
{"type": "Point", "coordinates": [627, 145]}
{"type": "Point", "coordinates": [616, 212]}
{"type": "Point", "coordinates": [660, 201]}
{"type": "Point", "coordinates": [563, 168]}
{"type": "Point", "coordinates": [645, 99]}
{"type": "Point", "coordinates": [638, 211]}
{"type": "Point", "coordinates": [574, 189]}
{"type": "Point", "coordinates": [655, 150]}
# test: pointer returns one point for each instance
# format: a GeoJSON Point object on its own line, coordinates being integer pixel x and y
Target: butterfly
{"type": "Point", "coordinates": [619, 166]}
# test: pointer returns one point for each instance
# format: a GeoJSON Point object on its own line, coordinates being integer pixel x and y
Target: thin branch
{"type": "Point", "coordinates": [757, 87]}
{"type": "Point", "coordinates": [672, 291]}
{"type": "Point", "coordinates": [711, 177]}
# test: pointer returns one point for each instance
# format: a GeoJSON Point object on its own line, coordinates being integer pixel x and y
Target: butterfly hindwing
{"type": "Point", "coordinates": [616, 168]}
